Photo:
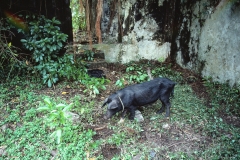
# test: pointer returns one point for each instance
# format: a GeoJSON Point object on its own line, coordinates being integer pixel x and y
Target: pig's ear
{"type": "Point", "coordinates": [113, 105]}
{"type": "Point", "coordinates": [105, 102]}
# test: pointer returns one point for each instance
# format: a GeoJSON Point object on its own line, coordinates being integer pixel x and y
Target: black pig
{"type": "Point", "coordinates": [141, 94]}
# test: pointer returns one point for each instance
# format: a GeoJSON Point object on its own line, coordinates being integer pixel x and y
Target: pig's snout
{"type": "Point", "coordinates": [108, 115]}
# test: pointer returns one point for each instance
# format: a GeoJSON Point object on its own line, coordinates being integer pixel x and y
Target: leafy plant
{"type": "Point", "coordinates": [78, 16]}
{"type": "Point", "coordinates": [82, 146]}
{"type": "Point", "coordinates": [70, 69]}
{"type": "Point", "coordinates": [93, 85]}
{"type": "Point", "coordinates": [57, 116]}
{"type": "Point", "coordinates": [117, 139]}
{"type": "Point", "coordinates": [89, 55]}
{"type": "Point", "coordinates": [45, 41]}
{"type": "Point", "coordinates": [136, 74]}
{"type": "Point", "coordinates": [120, 82]}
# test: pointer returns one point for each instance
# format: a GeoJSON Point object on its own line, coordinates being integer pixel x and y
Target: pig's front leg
{"type": "Point", "coordinates": [168, 106]}
{"type": "Point", "coordinates": [132, 112]}
{"type": "Point", "coordinates": [123, 113]}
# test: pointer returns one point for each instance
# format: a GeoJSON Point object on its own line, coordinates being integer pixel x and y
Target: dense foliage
{"type": "Point", "coordinates": [78, 15]}
{"type": "Point", "coordinates": [11, 63]}
{"type": "Point", "coordinates": [45, 41]}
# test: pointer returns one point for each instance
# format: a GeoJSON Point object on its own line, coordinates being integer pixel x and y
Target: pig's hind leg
{"type": "Point", "coordinates": [165, 104]}
{"type": "Point", "coordinates": [162, 109]}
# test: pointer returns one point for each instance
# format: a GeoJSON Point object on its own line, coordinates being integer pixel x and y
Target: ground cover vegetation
{"type": "Point", "coordinates": [54, 110]}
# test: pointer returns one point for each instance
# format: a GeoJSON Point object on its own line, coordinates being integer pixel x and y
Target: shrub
{"type": "Point", "coordinates": [44, 41]}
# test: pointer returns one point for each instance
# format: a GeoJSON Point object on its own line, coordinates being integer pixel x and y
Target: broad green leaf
{"type": "Point", "coordinates": [118, 82]}
{"type": "Point", "coordinates": [95, 90]}
{"type": "Point", "coordinates": [49, 83]}
{"type": "Point", "coordinates": [61, 105]}
{"type": "Point", "coordinates": [104, 87]}
{"type": "Point", "coordinates": [68, 107]}
{"type": "Point", "coordinates": [47, 101]}
{"type": "Point", "coordinates": [23, 40]}
{"type": "Point", "coordinates": [60, 44]}
{"type": "Point", "coordinates": [44, 108]}
{"type": "Point", "coordinates": [57, 134]}
{"type": "Point", "coordinates": [55, 80]}
{"type": "Point", "coordinates": [82, 110]}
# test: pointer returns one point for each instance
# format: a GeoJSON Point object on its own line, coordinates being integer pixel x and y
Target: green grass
{"type": "Point", "coordinates": [24, 133]}
{"type": "Point", "coordinates": [193, 131]}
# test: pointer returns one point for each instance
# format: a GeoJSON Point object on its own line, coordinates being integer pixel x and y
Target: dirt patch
{"type": "Point", "coordinates": [232, 120]}
{"type": "Point", "coordinates": [109, 151]}
{"type": "Point", "coordinates": [102, 132]}
{"type": "Point", "coordinates": [194, 80]}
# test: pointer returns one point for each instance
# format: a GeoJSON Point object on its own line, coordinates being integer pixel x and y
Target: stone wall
{"type": "Point", "coordinates": [219, 45]}
{"type": "Point", "coordinates": [213, 48]}
{"type": "Point", "coordinates": [200, 35]}
{"type": "Point", "coordinates": [136, 29]}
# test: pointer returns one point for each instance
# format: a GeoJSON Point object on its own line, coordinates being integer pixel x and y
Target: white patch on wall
{"type": "Point", "coordinates": [140, 44]}
{"type": "Point", "coordinates": [137, 44]}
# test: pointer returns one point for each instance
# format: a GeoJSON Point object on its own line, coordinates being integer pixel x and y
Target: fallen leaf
{"type": "Point", "coordinates": [64, 93]}
{"type": "Point", "coordinates": [68, 86]}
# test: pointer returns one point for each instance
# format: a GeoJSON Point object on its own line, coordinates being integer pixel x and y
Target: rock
{"type": "Point", "coordinates": [137, 157]}
{"type": "Point", "coordinates": [166, 126]}
{"type": "Point", "coordinates": [152, 154]}
{"type": "Point", "coordinates": [73, 117]}
{"type": "Point", "coordinates": [138, 116]}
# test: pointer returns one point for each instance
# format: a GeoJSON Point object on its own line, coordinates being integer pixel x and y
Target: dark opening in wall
{"type": "Point", "coordinates": [51, 8]}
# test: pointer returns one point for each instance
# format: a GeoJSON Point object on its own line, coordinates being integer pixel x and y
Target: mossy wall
{"type": "Point", "coordinates": [200, 35]}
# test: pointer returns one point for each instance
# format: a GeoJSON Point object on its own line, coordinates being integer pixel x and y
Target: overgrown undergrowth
{"type": "Point", "coordinates": [194, 130]}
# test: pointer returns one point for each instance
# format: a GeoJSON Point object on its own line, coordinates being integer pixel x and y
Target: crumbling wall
{"type": "Point", "coordinates": [208, 39]}
{"type": "Point", "coordinates": [200, 35]}
{"type": "Point", "coordinates": [219, 44]}
{"type": "Point", "coordinates": [136, 29]}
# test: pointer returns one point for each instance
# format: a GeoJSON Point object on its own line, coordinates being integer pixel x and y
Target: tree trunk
{"type": "Point", "coordinates": [98, 21]}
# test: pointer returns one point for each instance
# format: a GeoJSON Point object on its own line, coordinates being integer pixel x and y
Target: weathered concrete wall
{"type": "Point", "coordinates": [200, 35]}
{"type": "Point", "coordinates": [213, 48]}
{"type": "Point", "coordinates": [139, 43]}
{"type": "Point", "coordinates": [219, 45]}
{"type": "Point", "coordinates": [134, 30]}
